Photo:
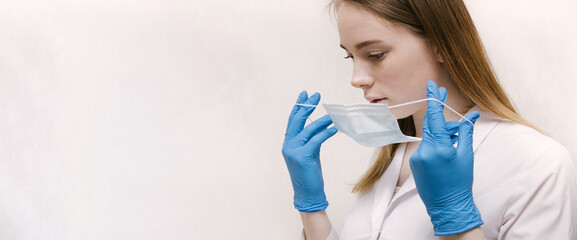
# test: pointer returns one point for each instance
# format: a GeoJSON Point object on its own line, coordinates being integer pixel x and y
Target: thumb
{"type": "Point", "coordinates": [466, 132]}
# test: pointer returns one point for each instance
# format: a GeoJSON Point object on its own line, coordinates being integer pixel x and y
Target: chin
{"type": "Point", "coordinates": [401, 113]}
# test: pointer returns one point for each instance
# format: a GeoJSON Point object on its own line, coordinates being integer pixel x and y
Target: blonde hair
{"type": "Point", "coordinates": [448, 26]}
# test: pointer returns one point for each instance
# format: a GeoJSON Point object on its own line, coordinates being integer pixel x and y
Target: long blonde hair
{"type": "Point", "coordinates": [448, 26]}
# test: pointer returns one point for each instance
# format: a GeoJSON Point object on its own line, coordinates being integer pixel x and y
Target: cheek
{"type": "Point", "coordinates": [406, 76]}
{"type": "Point", "coordinates": [394, 73]}
{"type": "Point", "coordinates": [419, 66]}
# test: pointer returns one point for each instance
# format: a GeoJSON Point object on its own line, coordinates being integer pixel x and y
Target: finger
{"type": "Point", "coordinates": [299, 119]}
{"type": "Point", "coordinates": [434, 108]}
{"type": "Point", "coordinates": [310, 130]}
{"type": "Point", "coordinates": [443, 94]}
{"type": "Point", "coordinates": [436, 118]}
{"type": "Point", "coordinates": [454, 139]}
{"type": "Point", "coordinates": [452, 127]}
{"type": "Point", "coordinates": [301, 99]}
{"type": "Point", "coordinates": [426, 131]}
{"type": "Point", "coordinates": [466, 132]}
{"type": "Point", "coordinates": [321, 137]}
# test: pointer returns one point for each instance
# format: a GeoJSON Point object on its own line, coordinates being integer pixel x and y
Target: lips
{"type": "Point", "coordinates": [378, 100]}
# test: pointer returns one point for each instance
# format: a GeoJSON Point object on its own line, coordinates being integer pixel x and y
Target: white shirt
{"type": "Point", "coordinates": [525, 186]}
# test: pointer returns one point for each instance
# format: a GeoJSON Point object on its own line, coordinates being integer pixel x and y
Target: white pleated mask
{"type": "Point", "coordinates": [372, 124]}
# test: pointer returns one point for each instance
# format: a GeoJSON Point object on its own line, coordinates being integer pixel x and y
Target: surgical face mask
{"type": "Point", "coordinates": [372, 125]}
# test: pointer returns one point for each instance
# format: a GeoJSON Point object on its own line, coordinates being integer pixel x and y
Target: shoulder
{"type": "Point", "coordinates": [512, 143]}
{"type": "Point", "coordinates": [525, 146]}
{"type": "Point", "coordinates": [521, 173]}
{"type": "Point", "coordinates": [512, 154]}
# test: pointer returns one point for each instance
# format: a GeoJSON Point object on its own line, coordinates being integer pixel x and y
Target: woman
{"type": "Point", "coordinates": [525, 182]}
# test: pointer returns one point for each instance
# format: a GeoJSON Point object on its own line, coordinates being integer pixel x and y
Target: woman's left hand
{"type": "Point", "coordinates": [444, 174]}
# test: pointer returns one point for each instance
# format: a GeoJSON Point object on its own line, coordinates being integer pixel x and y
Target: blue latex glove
{"type": "Point", "coordinates": [444, 174]}
{"type": "Point", "coordinates": [301, 150]}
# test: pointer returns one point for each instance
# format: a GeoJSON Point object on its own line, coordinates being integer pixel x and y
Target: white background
{"type": "Point", "coordinates": [156, 119]}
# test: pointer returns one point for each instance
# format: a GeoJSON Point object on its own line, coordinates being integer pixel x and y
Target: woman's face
{"type": "Point", "coordinates": [391, 63]}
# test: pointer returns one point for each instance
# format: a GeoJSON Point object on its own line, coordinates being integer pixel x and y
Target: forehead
{"type": "Point", "coordinates": [357, 24]}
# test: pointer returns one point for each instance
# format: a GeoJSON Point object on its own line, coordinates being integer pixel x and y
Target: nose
{"type": "Point", "coordinates": [361, 77]}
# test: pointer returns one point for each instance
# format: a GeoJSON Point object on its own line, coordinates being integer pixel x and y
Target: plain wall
{"type": "Point", "coordinates": [164, 119]}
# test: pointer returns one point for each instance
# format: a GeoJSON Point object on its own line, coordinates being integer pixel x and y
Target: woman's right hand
{"type": "Point", "coordinates": [301, 150]}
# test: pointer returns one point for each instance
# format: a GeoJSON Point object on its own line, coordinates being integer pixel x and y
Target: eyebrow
{"type": "Point", "coordinates": [363, 44]}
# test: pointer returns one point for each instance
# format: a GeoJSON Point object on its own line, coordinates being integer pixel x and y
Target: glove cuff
{"type": "Point", "coordinates": [455, 219]}
{"type": "Point", "coordinates": [313, 208]}
{"type": "Point", "coordinates": [317, 204]}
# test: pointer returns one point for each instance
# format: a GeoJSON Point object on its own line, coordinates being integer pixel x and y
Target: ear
{"type": "Point", "coordinates": [438, 54]}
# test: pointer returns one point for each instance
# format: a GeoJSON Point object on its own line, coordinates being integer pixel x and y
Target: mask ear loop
{"type": "Point", "coordinates": [307, 105]}
{"type": "Point", "coordinates": [409, 103]}
{"type": "Point", "coordinates": [434, 99]}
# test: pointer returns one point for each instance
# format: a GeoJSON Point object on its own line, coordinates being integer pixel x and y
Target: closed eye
{"type": "Point", "coordinates": [377, 56]}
